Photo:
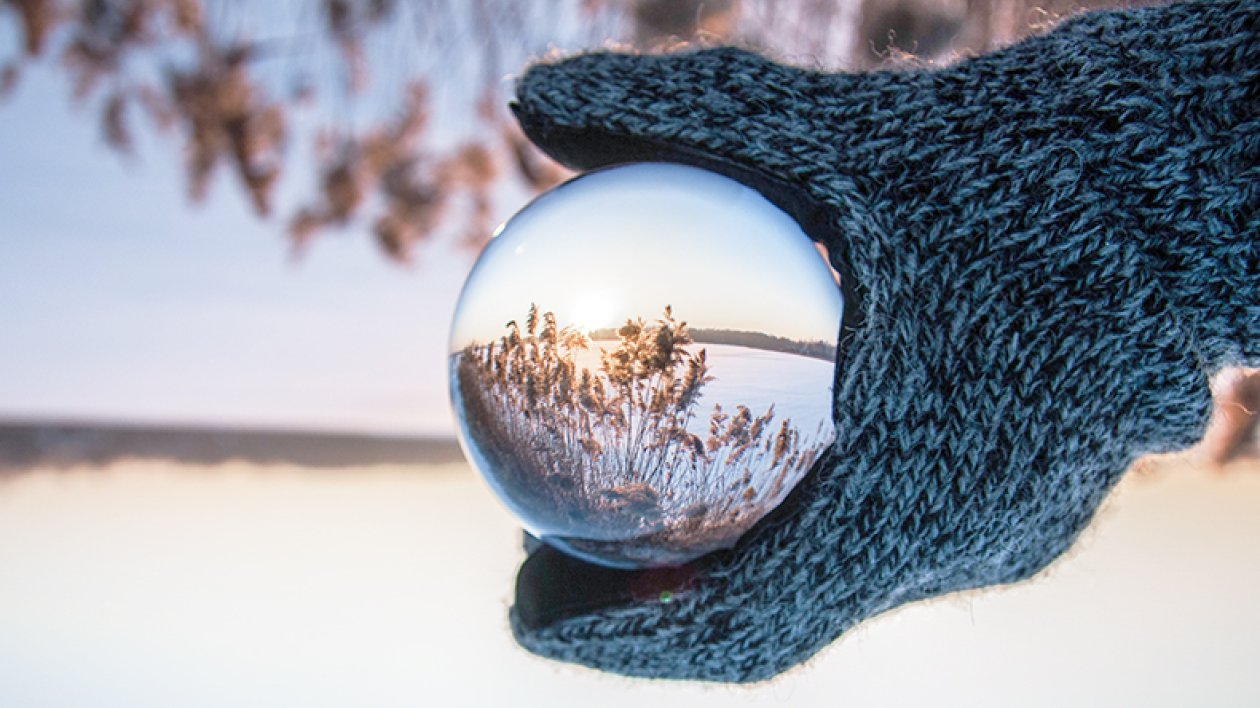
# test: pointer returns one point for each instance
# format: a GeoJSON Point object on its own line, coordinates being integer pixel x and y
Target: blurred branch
{"type": "Point", "coordinates": [195, 68]}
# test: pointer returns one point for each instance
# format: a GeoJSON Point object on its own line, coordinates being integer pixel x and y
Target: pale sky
{"type": "Point", "coordinates": [121, 302]}
{"type": "Point", "coordinates": [619, 244]}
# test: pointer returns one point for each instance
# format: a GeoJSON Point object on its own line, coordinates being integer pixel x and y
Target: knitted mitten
{"type": "Point", "coordinates": [1047, 251]}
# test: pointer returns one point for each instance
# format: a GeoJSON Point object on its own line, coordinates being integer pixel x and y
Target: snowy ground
{"type": "Point", "coordinates": [157, 584]}
{"type": "Point", "coordinates": [798, 386]}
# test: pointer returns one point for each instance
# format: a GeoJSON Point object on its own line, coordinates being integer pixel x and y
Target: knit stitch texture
{"type": "Point", "coordinates": [1050, 249]}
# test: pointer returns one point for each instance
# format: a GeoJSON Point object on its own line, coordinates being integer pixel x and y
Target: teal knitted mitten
{"type": "Point", "coordinates": [1047, 251]}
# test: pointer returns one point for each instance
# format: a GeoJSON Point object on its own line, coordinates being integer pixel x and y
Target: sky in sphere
{"type": "Point", "coordinates": [624, 243]}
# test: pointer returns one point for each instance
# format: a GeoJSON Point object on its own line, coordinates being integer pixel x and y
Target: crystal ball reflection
{"type": "Point", "coordinates": [642, 361]}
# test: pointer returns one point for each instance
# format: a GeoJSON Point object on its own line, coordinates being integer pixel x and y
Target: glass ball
{"type": "Point", "coordinates": [642, 362]}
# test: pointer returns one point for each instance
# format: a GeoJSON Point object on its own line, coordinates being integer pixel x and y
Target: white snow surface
{"type": "Point", "coordinates": [799, 387]}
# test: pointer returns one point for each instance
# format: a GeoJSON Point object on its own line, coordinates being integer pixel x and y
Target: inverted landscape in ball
{"type": "Point", "coordinates": [642, 363]}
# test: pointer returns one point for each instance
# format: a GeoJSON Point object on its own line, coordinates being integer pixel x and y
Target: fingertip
{"type": "Point", "coordinates": [597, 108]}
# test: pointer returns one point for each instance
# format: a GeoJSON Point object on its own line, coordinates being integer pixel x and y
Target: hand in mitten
{"type": "Point", "coordinates": [1047, 251]}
